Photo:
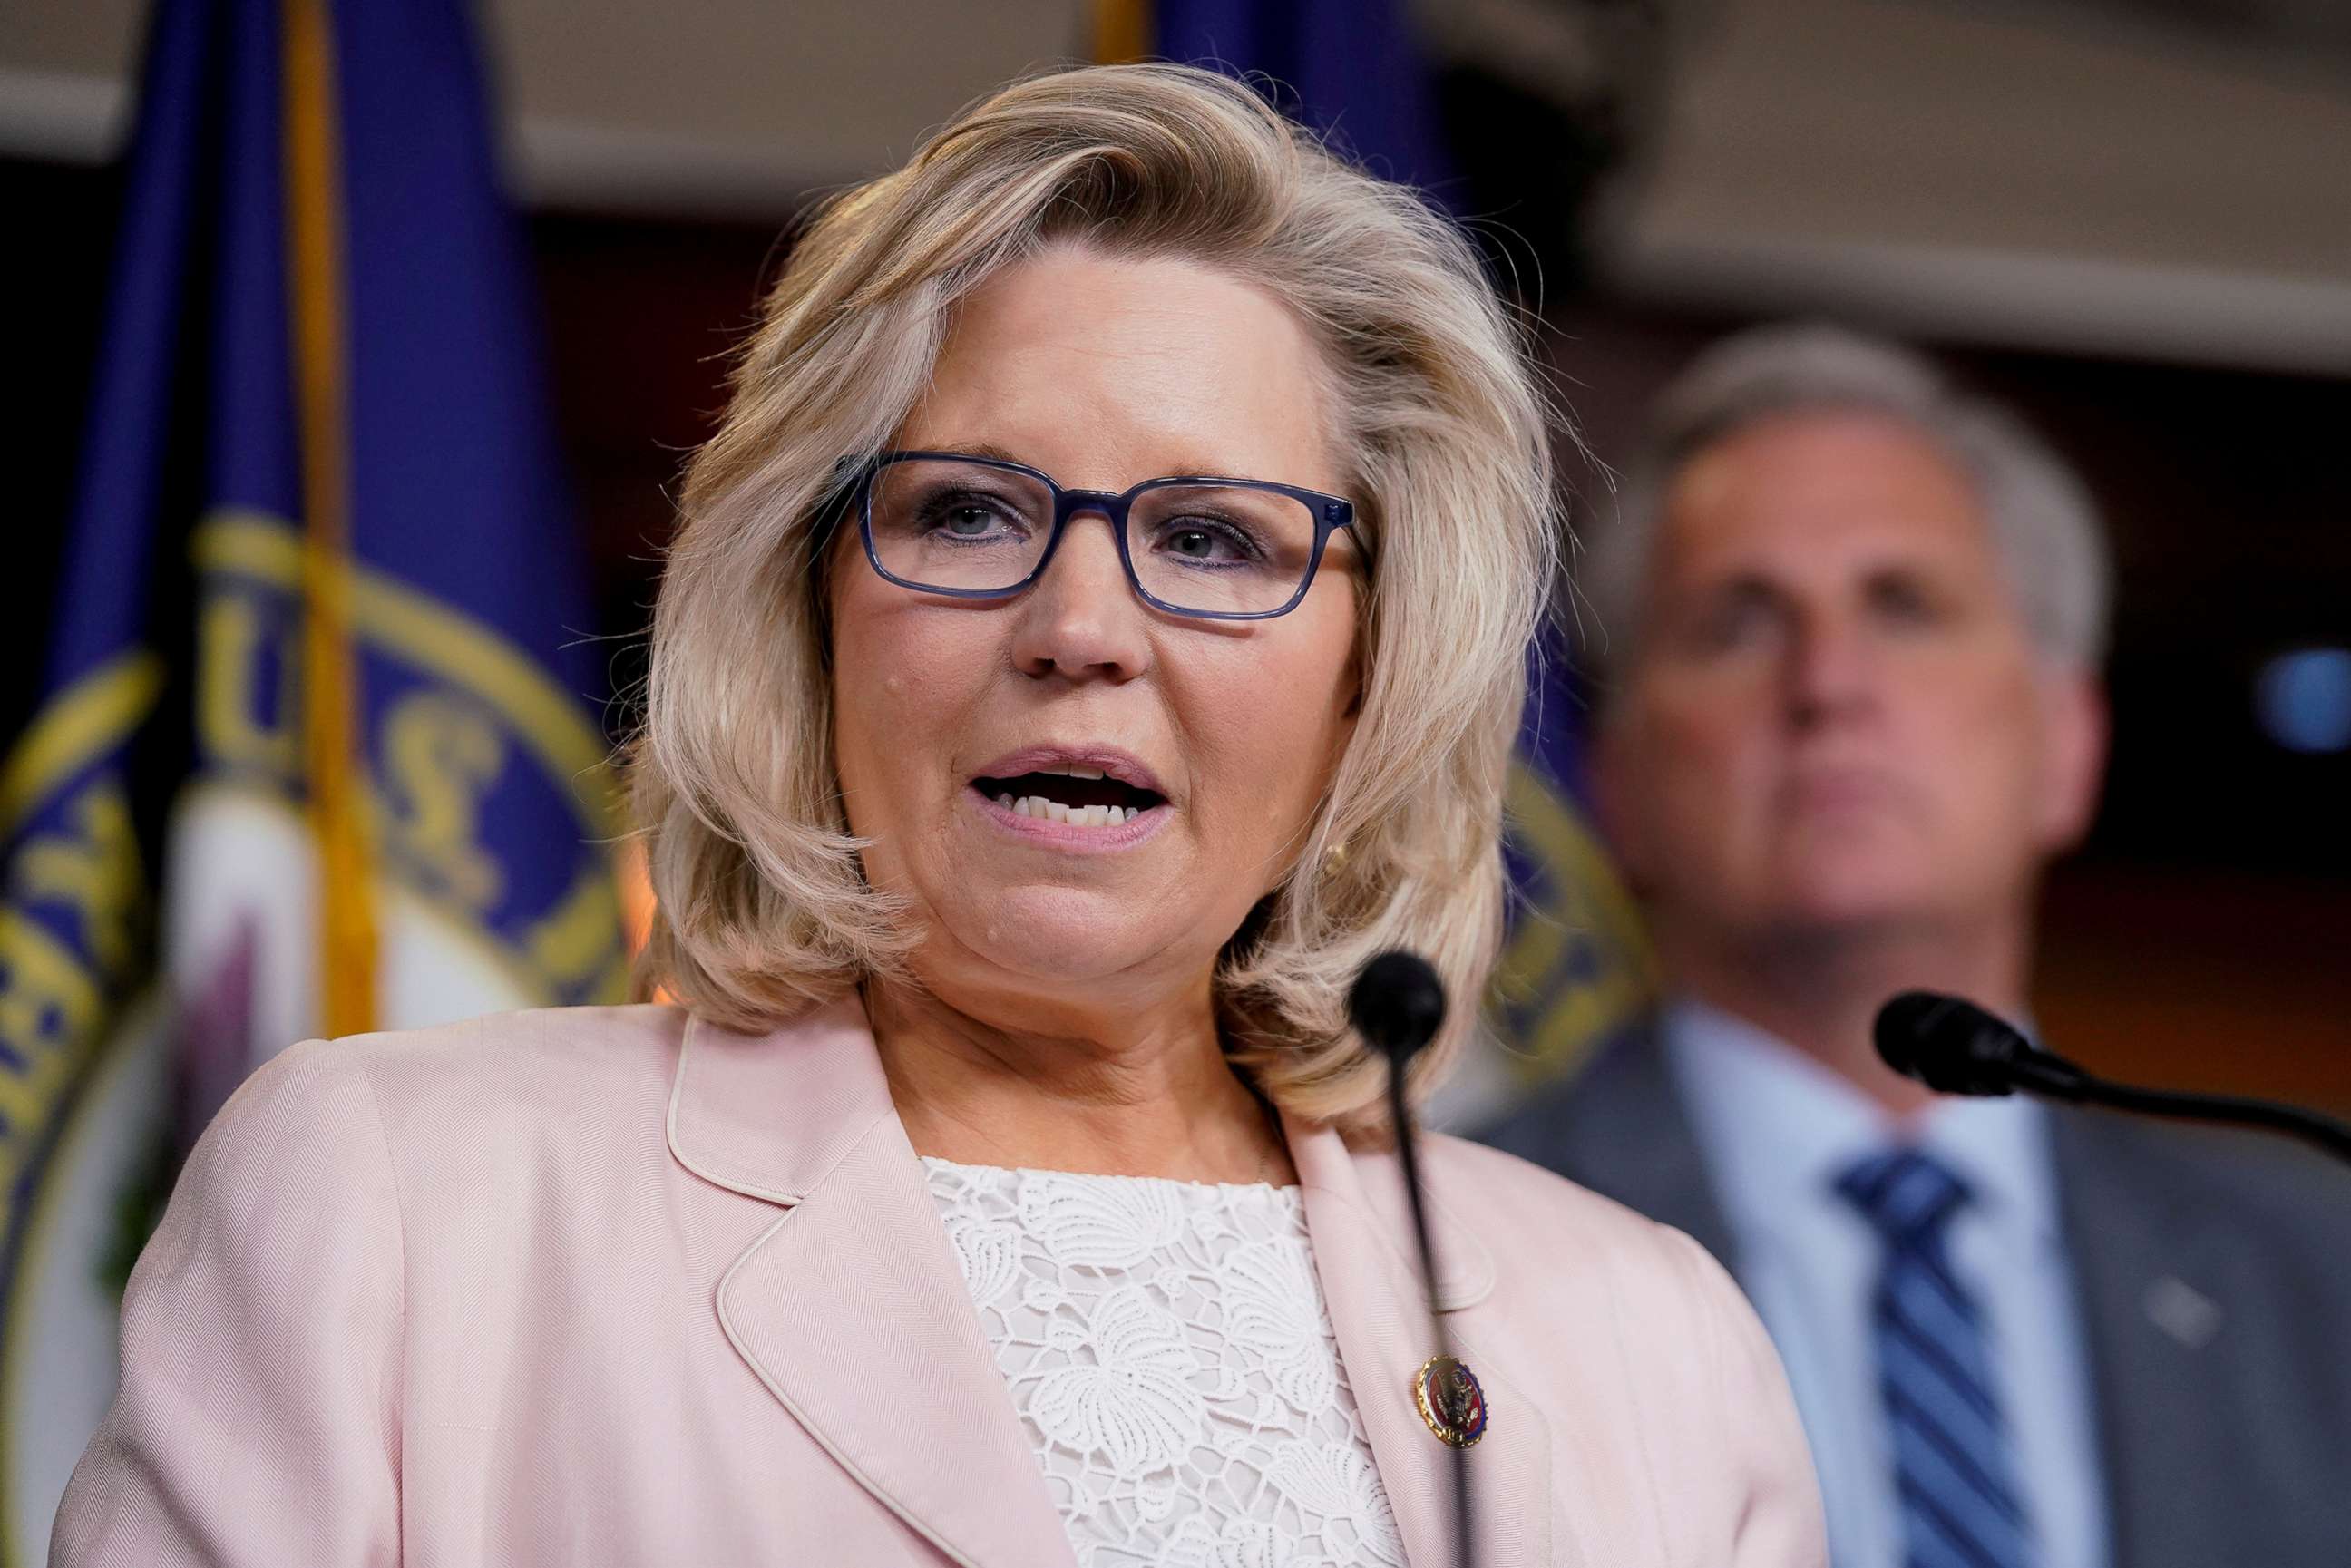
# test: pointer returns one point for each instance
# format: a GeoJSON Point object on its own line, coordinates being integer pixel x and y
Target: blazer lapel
{"type": "Point", "coordinates": [1379, 1314]}
{"type": "Point", "coordinates": [851, 1307]}
{"type": "Point", "coordinates": [2152, 1278]}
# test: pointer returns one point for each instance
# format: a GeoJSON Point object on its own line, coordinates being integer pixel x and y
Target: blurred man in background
{"type": "Point", "coordinates": [1853, 623]}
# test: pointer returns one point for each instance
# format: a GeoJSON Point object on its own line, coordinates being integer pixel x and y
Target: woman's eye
{"type": "Point", "coordinates": [1206, 542]}
{"type": "Point", "coordinates": [968, 517]}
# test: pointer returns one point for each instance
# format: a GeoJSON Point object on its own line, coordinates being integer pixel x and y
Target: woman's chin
{"type": "Point", "coordinates": [1054, 936]}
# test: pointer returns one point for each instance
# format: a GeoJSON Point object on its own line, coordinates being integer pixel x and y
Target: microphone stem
{"type": "Point", "coordinates": [1400, 1116]}
{"type": "Point", "coordinates": [1408, 1155]}
{"type": "Point", "coordinates": [1950, 1044]}
{"type": "Point", "coordinates": [2326, 1133]}
{"type": "Point", "coordinates": [2054, 1076]}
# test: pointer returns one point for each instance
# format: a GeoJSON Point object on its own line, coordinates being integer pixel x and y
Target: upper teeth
{"type": "Point", "coordinates": [1074, 772]}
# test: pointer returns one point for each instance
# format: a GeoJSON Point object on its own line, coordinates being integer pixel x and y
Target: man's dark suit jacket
{"type": "Point", "coordinates": [2214, 1273]}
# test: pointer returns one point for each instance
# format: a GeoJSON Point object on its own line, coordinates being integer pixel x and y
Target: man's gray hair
{"type": "Point", "coordinates": [2044, 521]}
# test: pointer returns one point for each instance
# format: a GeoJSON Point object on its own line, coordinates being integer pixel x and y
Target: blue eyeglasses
{"type": "Point", "coordinates": [984, 527]}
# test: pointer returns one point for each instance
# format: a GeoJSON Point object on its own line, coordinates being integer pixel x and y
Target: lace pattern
{"type": "Point", "coordinates": [1166, 1346]}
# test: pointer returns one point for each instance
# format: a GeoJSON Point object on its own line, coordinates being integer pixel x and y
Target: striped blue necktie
{"type": "Point", "coordinates": [1952, 1470]}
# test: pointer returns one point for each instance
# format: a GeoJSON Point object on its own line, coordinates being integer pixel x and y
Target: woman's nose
{"type": "Point", "coordinates": [1081, 620]}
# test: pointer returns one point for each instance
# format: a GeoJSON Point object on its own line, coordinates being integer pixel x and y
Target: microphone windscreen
{"type": "Point", "coordinates": [1948, 1043]}
{"type": "Point", "coordinates": [1397, 1003]}
{"type": "Point", "coordinates": [1903, 1023]}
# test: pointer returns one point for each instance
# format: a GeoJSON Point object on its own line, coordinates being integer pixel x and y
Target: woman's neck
{"type": "Point", "coordinates": [1155, 1098]}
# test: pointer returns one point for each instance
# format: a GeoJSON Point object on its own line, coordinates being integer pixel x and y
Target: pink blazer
{"type": "Point", "coordinates": [608, 1286]}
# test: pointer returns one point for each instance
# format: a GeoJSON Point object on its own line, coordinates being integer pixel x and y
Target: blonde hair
{"type": "Point", "coordinates": [762, 903]}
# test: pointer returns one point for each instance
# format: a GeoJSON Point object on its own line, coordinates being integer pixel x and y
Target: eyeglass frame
{"type": "Point", "coordinates": [1331, 514]}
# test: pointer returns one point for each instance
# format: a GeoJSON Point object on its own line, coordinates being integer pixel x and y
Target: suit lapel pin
{"type": "Point", "coordinates": [1451, 1401]}
{"type": "Point", "coordinates": [2182, 1311]}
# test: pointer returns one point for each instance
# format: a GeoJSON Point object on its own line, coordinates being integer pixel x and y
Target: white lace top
{"type": "Point", "coordinates": [1166, 1346]}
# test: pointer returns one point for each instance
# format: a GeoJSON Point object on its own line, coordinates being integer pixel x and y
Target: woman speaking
{"type": "Point", "coordinates": [1097, 629]}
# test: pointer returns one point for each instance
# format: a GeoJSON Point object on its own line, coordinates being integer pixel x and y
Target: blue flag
{"type": "Point", "coordinates": [317, 750]}
{"type": "Point", "coordinates": [1349, 68]}
{"type": "Point", "coordinates": [1575, 971]}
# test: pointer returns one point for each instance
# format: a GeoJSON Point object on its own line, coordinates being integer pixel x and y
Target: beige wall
{"type": "Point", "coordinates": [1970, 169]}
{"type": "Point", "coordinates": [1965, 169]}
{"type": "Point", "coordinates": [736, 107]}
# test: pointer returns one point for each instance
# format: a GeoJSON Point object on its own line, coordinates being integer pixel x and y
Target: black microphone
{"type": "Point", "coordinates": [1398, 1004]}
{"type": "Point", "coordinates": [1950, 1044]}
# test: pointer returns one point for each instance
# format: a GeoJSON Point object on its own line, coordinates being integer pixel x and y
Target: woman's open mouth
{"type": "Point", "coordinates": [1083, 797]}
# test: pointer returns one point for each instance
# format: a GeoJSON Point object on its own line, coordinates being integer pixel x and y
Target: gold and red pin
{"type": "Point", "coordinates": [1451, 1400]}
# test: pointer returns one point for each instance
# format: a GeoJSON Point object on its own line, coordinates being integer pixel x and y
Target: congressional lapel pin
{"type": "Point", "coordinates": [2182, 1311]}
{"type": "Point", "coordinates": [1451, 1401]}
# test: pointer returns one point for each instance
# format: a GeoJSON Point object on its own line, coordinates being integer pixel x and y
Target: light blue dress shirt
{"type": "Point", "coordinates": [1777, 1128]}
